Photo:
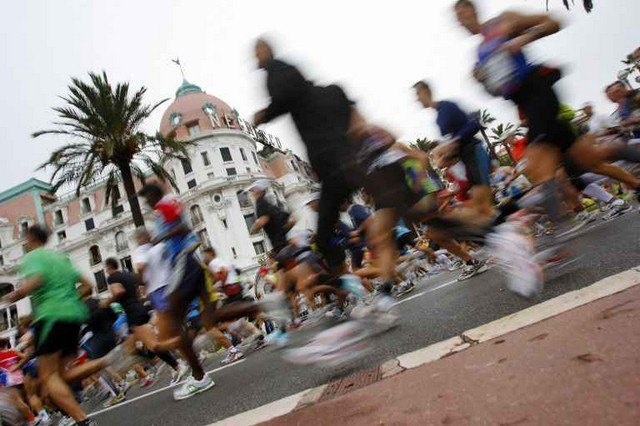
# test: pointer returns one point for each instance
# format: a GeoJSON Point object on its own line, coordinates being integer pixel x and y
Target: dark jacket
{"type": "Point", "coordinates": [321, 115]}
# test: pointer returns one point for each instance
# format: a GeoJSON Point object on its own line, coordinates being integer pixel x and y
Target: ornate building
{"type": "Point", "coordinates": [224, 161]}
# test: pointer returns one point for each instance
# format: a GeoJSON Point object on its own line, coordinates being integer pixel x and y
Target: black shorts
{"type": "Point", "coordinates": [101, 344]}
{"type": "Point", "coordinates": [387, 185]}
{"type": "Point", "coordinates": [63, 337]}
{"type": "Point", "coordinates": [405, 240]}
{"type": "Point", "coordinates": [137, 314]}
{"type": "Point", "coordinates": [537, 100]}
{"type": "Point", "coordinates": [477, 162]}
{"type": "Point", "coordinates": [192, 285]}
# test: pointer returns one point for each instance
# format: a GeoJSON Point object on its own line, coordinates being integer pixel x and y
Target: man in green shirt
{"type": "Point", "coordinates": [58, 312]}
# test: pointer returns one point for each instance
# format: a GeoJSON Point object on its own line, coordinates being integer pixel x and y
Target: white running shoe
{"type": "Point", "coordinates": [515, 255]}
{"type": "Point", "coordinates": [178, 375]}
{"type": "Point", "coordinates": [233, 355]}
{"type": "Point", "coordinates": [384, 303]}
{"type": "Point", "coordinates": [193, 387]}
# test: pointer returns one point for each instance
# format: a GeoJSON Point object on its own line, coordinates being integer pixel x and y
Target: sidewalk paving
{"type": "Point", "coordinates": [580, 367]}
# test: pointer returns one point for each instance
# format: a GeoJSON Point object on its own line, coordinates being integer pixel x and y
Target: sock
{"type": "Point", "coordinates": [597, 193]}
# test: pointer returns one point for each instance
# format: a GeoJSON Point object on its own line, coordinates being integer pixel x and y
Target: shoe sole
{"type": "Point", "coordinates": [212, 384]}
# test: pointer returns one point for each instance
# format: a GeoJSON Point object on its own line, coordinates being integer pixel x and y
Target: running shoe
{"type": "Point", "coordinates": [476, 268]}
{"type": "Point", "coordinates": [333, 346]}
{"type": "Point", "coordinates": [586, 217]}
{"type": "Point", "coordinates": [66, 421]}
{"type": "Point", "coordinates": [193, 387]}
{"type": "Point", "coordinates": [178, 375]}
{"type": "Point", "coordinates": [115, 400]}
{"type": "Point", "coordinates": [275, 306]}
{"type": "Point", "coordinates": [278, 338]}
{"type": "Point", "coordinates": [384, 303]}
{"type": "Point", "coordinates": [618, 208]}
{"type": "Point", "coordinates": [146, 382]}
{"type": "Point", "coordinates": [337, 314]}
{"type": "Point", "coordinates": [233, 355]}
{"type": "Point", "coordinates": [515, 255]}
{"type": "Point", "coordinates": [403, 288]}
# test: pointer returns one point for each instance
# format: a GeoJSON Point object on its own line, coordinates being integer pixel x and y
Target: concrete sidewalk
{"type": "Point", "coordinates": [579, 367]}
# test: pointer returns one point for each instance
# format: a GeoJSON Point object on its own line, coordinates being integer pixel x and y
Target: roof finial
{"type": "Point", "coordinates": [177, 62]}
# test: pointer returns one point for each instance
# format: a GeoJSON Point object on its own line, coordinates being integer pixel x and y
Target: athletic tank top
{"type": "Point", "coordinates": [500, 72]}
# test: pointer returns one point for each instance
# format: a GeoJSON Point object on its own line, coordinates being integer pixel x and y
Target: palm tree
{"type": "Point", "coordinates": [500, 133]}
{"type": "Point", "coordinates": [424, 144]}
{"type": "Point", "coordinates": [485, 119]}
{"type": "Point", "coordinates": [104, 123]}
{"type": "Point", "coordinates": [587, 4]}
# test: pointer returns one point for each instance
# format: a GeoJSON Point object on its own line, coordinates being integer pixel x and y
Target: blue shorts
{"type": "Point", "coordinates": [476, 159]}
{"type": "Point", "coordinates": [159, 300]}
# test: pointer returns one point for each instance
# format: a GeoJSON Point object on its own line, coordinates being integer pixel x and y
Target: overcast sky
{"type": "Point", "coordinates": [375, 49]}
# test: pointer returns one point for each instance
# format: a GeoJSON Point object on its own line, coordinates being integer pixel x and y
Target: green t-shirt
{"type": "Point", "coordinates": [56, 299]}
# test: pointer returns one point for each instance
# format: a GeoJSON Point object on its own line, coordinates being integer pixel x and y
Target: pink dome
{"type": "Point", "coordinates": [188, 109]}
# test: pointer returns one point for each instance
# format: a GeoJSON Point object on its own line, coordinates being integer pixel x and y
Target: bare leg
{"type": "Point", "coordinates": [50, 367]}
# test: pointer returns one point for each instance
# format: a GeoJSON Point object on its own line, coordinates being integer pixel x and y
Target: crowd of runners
{"type": "Point", "coordinates": [386, 216]}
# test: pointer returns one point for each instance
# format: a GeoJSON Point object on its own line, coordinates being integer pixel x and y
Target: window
{"type": "Point", "coordinates": [94, 255]}
{"type": "Point", "coordinates": [194, 129]}
{"type": "Point", "coordinates": [243, 199]}
{"type": "Point", "coordinates": [1, 261]}
{"type": "Point", "coordinates": [116, 210]}
{"type": "Point", "coordinates": [101, 281]}
{"type": "Point", "coordinates": [192, 184]}
{"type": "Point", "coordinates": [24, 227]}
{"type": "Point", "coordinates": [126, 263]}
{"type": "Point", "coordinates": [255, 158]}
{"type": "Point", "coordinates": [86, 205]}
{"type": "Point", "coordinates": [121, 241]}
{"type": "Point", "coordinates": [243, 154]}
{"type": "Point", "coordinates": [231, 171]}
{"type": "Point", "coordinates": [294, 165]}
{"type": "Point", "coordinates": [211, 175]}
{"type": "Point", "coordinates": [89, 224]}
{"type": "Point", "coordinates": [204, 238]}
{"type": "Point", "coordinates": [225, 224]}
{"type": "Point", "coordinates": [196, 215]}
{"type": "Point", "coordinates": [250, 219]}
{"type": "Point", "coordinates": [226, 154]}
{"type": "Point", "coordinates": [248, 170]}
{"type": "Point", "coordinates": [58, 219]}
{"type": "Point", "coordinates": [233, 250]}
{"type": "Point", "coordinates": [205, 158]}
{"type": "Point", "coordinates": [186, 166]}
{"type": "Point", "coordinates": [259, 248]}
{"type": "Point", "coordinates": [115, 194]}
{"type": "Point", "coordinates": [62, 235]}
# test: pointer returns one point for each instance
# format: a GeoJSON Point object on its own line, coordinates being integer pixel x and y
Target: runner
{"type": "Point", "coordinates": [58, 313]}
{"type": "Point", "coordinates": [461, 129]}
{"type": "Point", "coordinates": [275, 221]}
{"type": "Point", "coordinates": [123, 286]}
{"type": "Point", "coordinates": [322, 116]}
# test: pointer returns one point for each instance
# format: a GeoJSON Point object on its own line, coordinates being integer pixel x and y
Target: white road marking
{"type": "Point", "coordinates": [422, 293]}
{"type": "Point", "coordinates": [263, 413]}
{"type": "Point", "coordinates": [129, 401]}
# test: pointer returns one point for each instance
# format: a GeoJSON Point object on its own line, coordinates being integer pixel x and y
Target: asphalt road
{"type": "Point", "coordinates": [439, 308]}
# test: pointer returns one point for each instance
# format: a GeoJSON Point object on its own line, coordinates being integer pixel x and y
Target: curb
{"type": "Point", "coordinates": [534, 314]}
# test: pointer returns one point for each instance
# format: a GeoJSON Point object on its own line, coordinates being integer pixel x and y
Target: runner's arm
{"type": "Point", "coordinates": [117, 291]}
{"type": "Point", "coordinates": [527, 28]}
{"type": "Point", "coordinates": [29, 285]}
{"type": "Point", "coordinates": [260, 223]}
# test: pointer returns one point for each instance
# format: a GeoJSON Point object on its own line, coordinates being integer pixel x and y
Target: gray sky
{"type": "Point", "coordinates": [375, 50]}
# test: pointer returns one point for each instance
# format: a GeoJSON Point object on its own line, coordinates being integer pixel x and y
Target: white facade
{"type": "Point", "coordinates": [223, 163]}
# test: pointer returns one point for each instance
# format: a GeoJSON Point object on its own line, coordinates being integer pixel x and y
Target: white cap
{"type": "Point", "coordinates": [260, 185]}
